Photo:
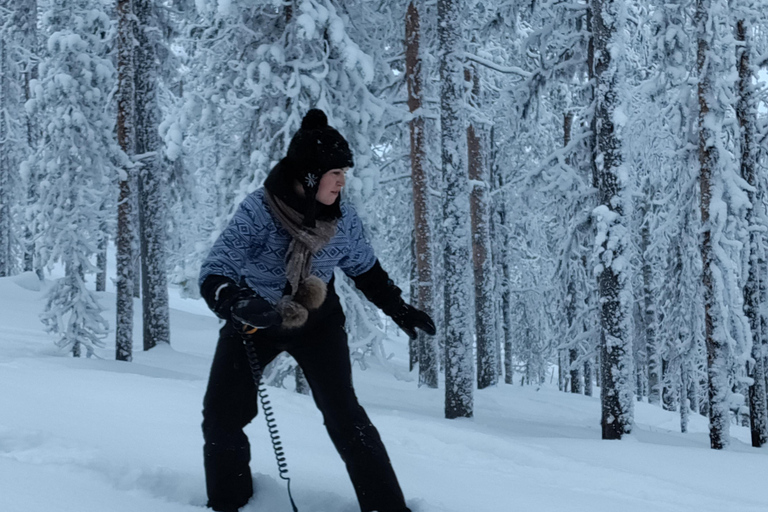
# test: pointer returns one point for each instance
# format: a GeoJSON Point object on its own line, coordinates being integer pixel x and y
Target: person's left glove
{"type": "Point", "coordinates": [239, 305]}
{"type": "Point", "coordinates": [254, 313]}
{"type": "Point", "coordinates": [408, 318]}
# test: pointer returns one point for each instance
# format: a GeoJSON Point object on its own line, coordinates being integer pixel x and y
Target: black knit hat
{"type": "Point", "coordinates": [315, 149]}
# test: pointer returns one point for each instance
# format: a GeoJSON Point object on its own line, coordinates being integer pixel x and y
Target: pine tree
{"type": "Point", "coordinates": [153, 199]}
{"type": "Point", "coordinates": [5, 161]}
{"type": "Point", "coordinates": [124, 242]}
{"type": "Point", "coordinates": [75, 81]}
{"type": "Point", "coordinates": [458, 339]}
{"type": "Point", "coordinates": [479, 207]}
{"type": "Point", "coordinates": [723, 213]}
{"type": "Point", "coordinates": [746, 113]}
{"type": "Point", "coordinates": [427, 346]}
{"type": "Point", "coordinates": [612, 242]}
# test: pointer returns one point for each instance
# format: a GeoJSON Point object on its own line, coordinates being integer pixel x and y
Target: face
{"type": "Point", "coordinates": [330, 185]}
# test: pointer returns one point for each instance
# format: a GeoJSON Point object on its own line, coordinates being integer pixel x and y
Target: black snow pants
{"type": "Point", "coordinates": [230, 403]}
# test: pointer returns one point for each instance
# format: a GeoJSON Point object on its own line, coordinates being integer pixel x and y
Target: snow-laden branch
{"type": "Point", "coordinates": [510, 70]}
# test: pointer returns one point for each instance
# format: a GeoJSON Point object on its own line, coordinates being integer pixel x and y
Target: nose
{"type": "Point", "coordinates": [342, 180]}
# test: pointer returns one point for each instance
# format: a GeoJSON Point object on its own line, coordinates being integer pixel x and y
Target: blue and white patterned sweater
{"type": "Point", "coordinates": [253, 245]}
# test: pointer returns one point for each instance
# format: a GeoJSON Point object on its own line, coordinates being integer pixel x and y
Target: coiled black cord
{"type": "Point", "coordinates": [269, 415]}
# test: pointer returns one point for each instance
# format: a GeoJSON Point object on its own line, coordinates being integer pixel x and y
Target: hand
{"type": "Point", "coordinates": [251, 313]}
{"type": "Point", "coordinates": [408, 318]}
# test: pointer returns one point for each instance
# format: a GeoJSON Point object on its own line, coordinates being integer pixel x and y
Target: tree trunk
{"type": "Point", "coordinates": [746, 115]}
{"type": "Point", "coordinates": [717, 351]}
{"type": "Point", "coordinates": [422, 233]}
{"type": "Point", "coordinates": [613, 278]}
{"type": "Point", "coordinates": [29, 17]}
{"type": "Point", "coordinates": [458, 339]}
{"type": "Point", "coordinates": [101, 260]}
{"type": "Point", "coordinates": [685, 406]}
{"type": "Point", "coordinates": [479, 208]}
{"type": "Point", "coordinates": [126, 229]}
{"type": "Point", "coordinates": [152, 200]}
{"type": "Point", "coordinates": [587, 377]}
{"type": "Point", "coordinates": [652, 354]}
{"type": "Point", "coordinates": [5, 165]}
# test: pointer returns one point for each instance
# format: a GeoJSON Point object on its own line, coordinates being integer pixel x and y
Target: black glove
{"type": "Point", "coordinates": [253, 312]}
{"type": "Point", "coordinates": [239, 305]}
{"type": "Point", "coordinates": [408, 318]}
{"type": "Point", "coordinates": [379, 289]}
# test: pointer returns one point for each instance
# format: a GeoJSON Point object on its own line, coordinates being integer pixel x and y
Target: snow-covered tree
{"type": "Point", "coordinates": [459, 374]}
{"type": "Point", "coordinates": [153, 199]}
{"type": "Point", "coordinates": [746, 113]}
{"type": "Point", "coordinates": [612, 242]}
{"type": "Point", "coordinates": [76, 161]}
{"type": "Point", "coordinates": [423, 239]}
{"type": "Point", "coordinates": [126, 230]}
{"type": "Point", "coordinates": [724, 202]}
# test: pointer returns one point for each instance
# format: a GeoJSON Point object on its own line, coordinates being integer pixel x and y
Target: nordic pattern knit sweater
{"type": "Point", "coordinates": [252, 248]}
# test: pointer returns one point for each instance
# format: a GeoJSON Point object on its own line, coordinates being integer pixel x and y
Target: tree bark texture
{"type": "Point", "coordinates": [717, 351]}
{"type": "Point", "coordinates": [746, 113]}
{"type": "Point", "coordinates": [613, 279]}
{"type": "Point", "coordinates": [480, 214]}
{"type": "Point", "coordinates": [126, 228]}
{"type": "Point", "coordinates": [152, 199]}
{"type": "Point", "coordinates": [458, 338]}
{"type": "Point", "coordinates": [422, 233]}
{"type": "Point", "coordinates": [652, 354]}
{"type": "Point", "coordinates": [5, 166]}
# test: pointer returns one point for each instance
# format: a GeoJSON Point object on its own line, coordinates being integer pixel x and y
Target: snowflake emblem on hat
{"type": "Point", "coordinates": [310, 180]}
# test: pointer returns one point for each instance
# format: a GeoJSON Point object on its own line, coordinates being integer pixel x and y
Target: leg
{"type": "Point", "coordinates": [324, 357]}
{"type": "Point", "coordinates": [230, 403]}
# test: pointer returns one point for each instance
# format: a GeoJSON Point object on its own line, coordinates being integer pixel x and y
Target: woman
{"type": "Point", "coordinates": [272, 268]}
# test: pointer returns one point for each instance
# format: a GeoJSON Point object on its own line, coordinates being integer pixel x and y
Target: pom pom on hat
{"type": "Point", "coordinates": [314, 120]}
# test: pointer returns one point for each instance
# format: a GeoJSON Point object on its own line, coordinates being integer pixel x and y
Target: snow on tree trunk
{"type": "Point", "coordinates": [5, 166]}
{"type": "Point", "coordinates": [479, 207]}
{"type": "Point", "coordinates": [612, 241]}
{"type": "Point", "coordinates": [28, 22]}
{"type": "Point", "coordinates": [101, 263]}
{"type": "Point", "coordinates": [152, 197]}
{"type": "Point", "coordinates": [723, 205]}
{"type": "Point", "coordinates": [685, 404]}
{"type": "Point", "coordinates": [126, 229]}
{"type": "Point", "coordinates": [587, 377]}
{"type": "Point", "coordinates": [652, 353]}
{"type": "Point", "coordinates": [746, 114]}
{"type": "Point", "coordinates": [425, 286]}
{"type": "Point", "coordinates": [459, 358]}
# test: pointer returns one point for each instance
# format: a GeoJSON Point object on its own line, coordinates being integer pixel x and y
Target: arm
{"type": "Point", "coordinates": [244, 235]}
{"type": "Point", "coordinates": [221, 271]}
{"type": "Point", "coordinates": [370, 278]}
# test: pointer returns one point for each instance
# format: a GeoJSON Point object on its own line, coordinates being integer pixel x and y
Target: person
{"type": "Point", "coordinates": [272, 268]}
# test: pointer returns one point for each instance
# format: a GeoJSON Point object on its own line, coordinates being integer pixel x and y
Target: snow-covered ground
{"type": "Point", "coordinates": [79, 435]}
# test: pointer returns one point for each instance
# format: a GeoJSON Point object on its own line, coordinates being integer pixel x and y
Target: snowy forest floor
{"type": "Point", "coordinates": [96, 435]}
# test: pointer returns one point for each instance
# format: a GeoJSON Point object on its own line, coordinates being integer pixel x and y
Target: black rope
{"type": "Point", "coordinates": [269, 415]}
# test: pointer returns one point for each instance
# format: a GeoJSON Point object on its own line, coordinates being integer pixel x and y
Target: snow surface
{"type": "Point", "coordinates": [96, 435]}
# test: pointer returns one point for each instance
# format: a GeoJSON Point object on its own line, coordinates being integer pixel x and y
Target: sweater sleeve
{"type": "Point", "coordinates": [379, 289]}
{"type": "Point", "coordinates": [238, 243]}
{"type": "Point", "coordinates": [360, 257]}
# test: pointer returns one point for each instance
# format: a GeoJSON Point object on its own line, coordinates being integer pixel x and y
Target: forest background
{"type": "Point", "coordinates": [577, 184]}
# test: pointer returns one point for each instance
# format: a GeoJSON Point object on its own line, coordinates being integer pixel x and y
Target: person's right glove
{"type": "Point", "coordinates": [408, 318]}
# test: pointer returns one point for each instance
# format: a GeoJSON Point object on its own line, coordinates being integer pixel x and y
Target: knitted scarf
{"type": "Point", "coordinates": [307, 291]}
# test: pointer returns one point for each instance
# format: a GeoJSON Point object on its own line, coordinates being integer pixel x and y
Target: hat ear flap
{"type": "Point", "coordinates": [309, 205]}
